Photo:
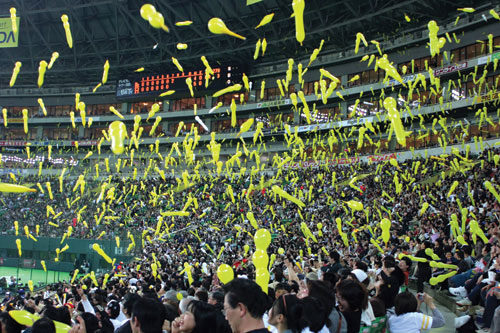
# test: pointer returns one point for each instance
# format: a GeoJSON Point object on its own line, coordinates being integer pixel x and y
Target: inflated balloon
{"type": "Point", "coordinates": [441, 278]}
{"type": "Point", "coordinates": [67, 29]}
{"type": "Point", "coordinates": [217, 26]}
{"type": "Point", "coordinates": [257, 49]}
{"type": "Point", "coordinates": [225, 273]}
{"type": "Point", "coordinates": [13, 188]}
{"type": "Point", "coordinates": [262, 239]}
{"type": "Point", "coordinates": [260, 258]}
{"type": "Point", "coordinates": [116, 112]}
{"type": "Point", "coordinates": [41, 72]}
{"type": "Point", "coordinates": [117, 133]}
{"type": "Point", "coordinates": [492, 189]}
{"type": "Point", "coordinates": [281, 251]}
{"type": "Point", "coordinates": [246, 248]}
{"type": "Point", "coordinates": [5, 121]}
{"type": "Point", "coordinates": [42, 262]}
{"type": "Point", "coordinates": [262, 278]}
{"type": "Point", "coordinates": [354, 205]}
{"type": "Point", "coordinates": [15, 72]}
{"type": "Point", "coordinates": [276, 189]}
{"type": "Point", "coordinates": [18, 244]}
{"type": "Point", "coordinates": [53, 59]}
{"type": "Point", "coordinates": [298, 13]}
{"type": "Point", "coordinates": [105, 72]}
{"type": "Point", "coordinates": [385, 224]}
{"type": "Point", "coordinates": [209, 69]}
{"type": "Point", "coordinates": [390, 105]}
{"type": "Point", "coordinates": [24, 317]}
{"type": "Point", "coordinates": [183, 23]}
{"type": "Point", "coordinates": [360, 37]}
{"type": "Point", "coordinates": [177, 64]}
{"type": "Point", "coordinates": [431, 254]}
{"type": "Point", "coordinates": [435, 43]}
{"type": "Point", "coordinates": [101, 252]}
{"type": "Point", "coordinates": [13, 20]}
{"type": "Point", "coordinates": [245, 127]}
{"type": "Point", "coordinates": [233, 88]}
{"type": "Point", "coordinates": [181, 46]}
{"type": "Point", "coordinates": [265, 20]}
{"type": "Point", "coordinates": [147, 11]}
{"type": "Point", "coordinates": [189, 83]}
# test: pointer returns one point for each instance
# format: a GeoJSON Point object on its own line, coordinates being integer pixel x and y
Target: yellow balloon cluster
{"type": "Point", "coordinates": [155, 19]}
{"type": "Point", "coordinates": [260, 259]}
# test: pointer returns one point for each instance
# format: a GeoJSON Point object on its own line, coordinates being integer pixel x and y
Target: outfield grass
{"type": "Point", "coordinates": [38, 276]}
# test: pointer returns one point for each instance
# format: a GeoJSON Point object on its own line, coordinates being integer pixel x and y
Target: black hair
{"type": "Point", "coordinates": [114, 309]}
{"type": "Point", "coordinates": [322, 291]}
{"type": "Point", "coordinates": [11, 326]}
{"type": "Point", "coordinates": [91, 322]}
{"type": "Point", "coordinates": [459, 254]}
{"type": "Point", "coordinates": [205, 316]}
{"type": "Point", "coordinates": [389, 262]}
{"type": "Point", "coordinates": [202, 295]}
{"type": "Point", "coordinates": [335, 256]}
{"type": "Point", "coordinates": [378, 307]}
{"type": "Point", "coordinates": [171, 312]}
{"type": "Point", "coordinates": [43, 325]}
{"type": "Point", "coordinates": [354, 293]}
{"type": "Point", "coordinates": [315, 315]}
{"type": "Point", "coordinates": [282, 286]}
{"type": "Point", "coordinates": [405, 302]}
{"type": "Point", "coordinates": [248, 293]}
{"type": "Point", "coordinates": [150, 314]}
{"type": "Point", "coordinates": [291, 307]}
{"type": "Point", "coordinates": [294, 286]}
{"type": "Point", "coordinates": [129, 302]}
{"type": "Point", "coordinates": [362, 265]}
{"type": "Point", "coordinates": [407, 261]}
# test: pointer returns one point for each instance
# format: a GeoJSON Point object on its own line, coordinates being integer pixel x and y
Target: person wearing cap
{"type": "Point", "coordinates": [113, 311]}
{"type": "Point", "coordinates": [367, 315]}
{"type": "Point", "coordinates": [128, 304]}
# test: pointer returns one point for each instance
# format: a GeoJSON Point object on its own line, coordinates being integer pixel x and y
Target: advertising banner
{"type": "Point", "coordinates": [7, 37]}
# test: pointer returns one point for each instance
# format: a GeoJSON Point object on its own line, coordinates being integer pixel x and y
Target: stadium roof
{"type": "Point", "coordinates": [114, 30]}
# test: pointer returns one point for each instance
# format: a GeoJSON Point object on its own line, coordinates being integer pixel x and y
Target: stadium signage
{"type": "Point", "coordinates": [7, 37]}
{"type": "Point", "coordinates": [341, 161]}
{"type": "Point", "coordinates": [450, 69]}
{"type": "Point", "coordinates": [273, 103]}
{"type": "Point", "coordinates": [484, 60]}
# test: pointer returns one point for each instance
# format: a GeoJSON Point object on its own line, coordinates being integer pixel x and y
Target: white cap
{"type": "Point", "coordinates": [359, 274]}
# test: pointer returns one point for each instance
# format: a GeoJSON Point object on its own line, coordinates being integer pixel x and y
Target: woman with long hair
{"type": "Point", "coordinates": [200, 317]}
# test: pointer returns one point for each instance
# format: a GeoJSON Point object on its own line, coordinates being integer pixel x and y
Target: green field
{"type": "Point", "coordinates": [38, 276]}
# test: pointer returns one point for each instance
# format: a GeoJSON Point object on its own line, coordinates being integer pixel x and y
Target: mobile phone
{"type": "Point", "coordinates": [420, 296]}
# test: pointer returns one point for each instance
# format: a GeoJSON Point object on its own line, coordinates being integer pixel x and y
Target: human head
{"type": "Point", "coordinates": [351, 296]}
{"type": "Point", "coordinates": [216, 298]}
{"type": "Point", "coordinates": [286, 313]}
{"type": "Point", "coordinates": [199, 317]}
{"type": "Point", "coordinates": [129, 302]}
{"type": "Point", "coordinates": [405, 302]}
{"type": "Point", "coordinates": [43, 325]}
{"type": "Point", "coordinates": [113, 309]}
{"type": "Point", "coordinates": [244, 302]}
{"type": "Point", "coordinates": [147, 316]}
{"type": "Point", "coordinates": [9, 325]}
{"type": "Point", "coordinates": [405, 264]}
{"type": "Point", "coordinates": [281, 288]}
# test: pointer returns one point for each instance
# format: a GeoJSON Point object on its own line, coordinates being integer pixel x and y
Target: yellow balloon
{"type": "Point", "coordinates": [147, 11]}
{"type": "Point", "coordinates": [262, 239]}
{"type": "Point", "coordinates": [13, 188]}
{"type": "Point", "coordinates": [117, 133]}
{"type": "Point", "coordinates": [218, 27]}
{"type": "Point", "coordinates": [298, 11]}
{"type": "Point", "coordinates": [225, 273]}
{"type": "Point", "coordinates": [260, 258]}
{"type": "Point", "coordinates": [262, 278]}
{"type": "Point", "coordinates": [281, 251]}
{"type": "Point", "coordinates": [24, 317]}
{"type": "Point", "coordinates": [355, 205]}
{"type": "Point", "coordinates": [157, 20]}
{"type": "Point", "coordinates": [246, 247]}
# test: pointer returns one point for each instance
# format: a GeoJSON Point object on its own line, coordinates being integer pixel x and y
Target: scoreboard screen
{"type": "Point", "coordinates": [152, 85]}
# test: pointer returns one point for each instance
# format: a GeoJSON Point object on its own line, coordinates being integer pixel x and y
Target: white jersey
{"type": "Point", "coordinates": [412, 322]}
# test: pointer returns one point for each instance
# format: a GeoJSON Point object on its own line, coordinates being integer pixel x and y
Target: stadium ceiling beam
{"type": "Point", "coordinates": [233, 13]}
{"type": "Point", "coordinates": [134, 35]}
{"type": "Point", "coordinates": [195, 29]}
{"type": "Point", "coordinates": [35, 28]}
{"type": "Point", "coordinates": [74, 6]}
{"type": "Point", "coordinates": [76, 19]}
{"type": "Point", "coordinates": [147, 31]}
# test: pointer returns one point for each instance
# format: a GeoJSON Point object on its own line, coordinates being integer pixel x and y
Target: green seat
{"type": "Point", "coordinates": [377, 326]}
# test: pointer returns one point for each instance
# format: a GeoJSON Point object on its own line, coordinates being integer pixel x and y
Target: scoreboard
{"type": "Point", "coordinates": [152, 85]}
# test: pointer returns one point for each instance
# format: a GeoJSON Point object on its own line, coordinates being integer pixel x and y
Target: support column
{"type": "Point", "coordinates": [125, 108]}
{"type": "Point", "coordinates": [209, 102]}
{"type": "Point", "coordinates": [166, 105]}
{"type": "Point", "coordinates": [39, 133]}
{"type": "Point", "coordinates": [81, 132]}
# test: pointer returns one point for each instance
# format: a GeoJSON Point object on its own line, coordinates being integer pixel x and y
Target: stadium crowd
{"type": "Point", "coordinates": [319, 286]}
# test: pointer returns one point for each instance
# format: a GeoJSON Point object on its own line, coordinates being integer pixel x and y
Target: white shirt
{"type": "Point", "coordinates": [412, 322]}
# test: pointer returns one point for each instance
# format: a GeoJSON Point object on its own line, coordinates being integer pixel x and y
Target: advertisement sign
{"type": "Point", "coordinates": [12, 143]}
{"type": "Point", "coordinates": [7, 37]}
{"type": "Point", "coordinates": [450, 69]}
{"type": "Point", "coordinates": [273, 103]}
{"type": "Point", "coordinates": [341, 161]}
{"type": "Point", "coordinates": [85, 143]}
